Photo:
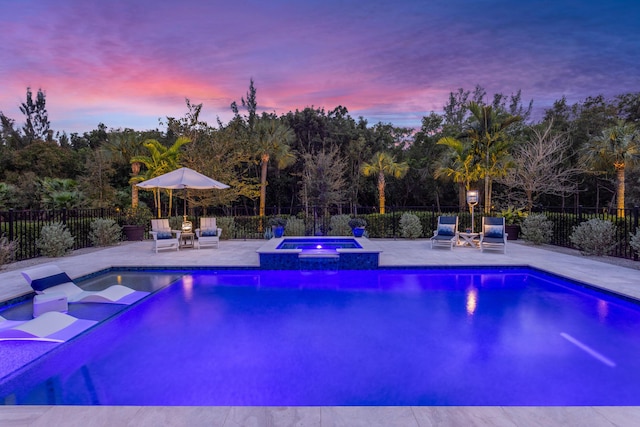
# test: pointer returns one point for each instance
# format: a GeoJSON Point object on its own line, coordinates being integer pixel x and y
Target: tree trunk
{"type": "Point", "coordinates": [462, 196]}
{"type": "Point", "coordinates": [381, 185]}
{"type": "Point", "coordinates": [263, 183]}
{"type": "Point", "coordinates": [620, 198]}
{"type": "Point", "coordinates": [135, 169]}
{"type": "Point", "coordinates": [487, 195]}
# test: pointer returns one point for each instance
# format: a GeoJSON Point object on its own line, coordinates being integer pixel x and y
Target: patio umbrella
{"type": "Point", "coordinates": [183, 179]}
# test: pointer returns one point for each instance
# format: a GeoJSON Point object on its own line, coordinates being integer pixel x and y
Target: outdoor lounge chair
{"type": "Point", "coordinates": [493, 234]}
{"type": "Point", "coordinates": [51, 326]}
{"type": "Point", "coordinates": [47, 279]}
{"type": "Point", "coordinates": [447, 232]}
{"type": "Point", "coordinates": [163, 236]}
{"type": "Point", "coordinates": [208, 234]}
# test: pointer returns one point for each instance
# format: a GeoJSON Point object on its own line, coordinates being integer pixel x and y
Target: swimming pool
{"type": "Point", "coordinates": [511, 336]}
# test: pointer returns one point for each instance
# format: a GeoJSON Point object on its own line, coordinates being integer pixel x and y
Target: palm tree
{"type": "Point", "coordinates": [384, 164]}
{"type": "Point", "coordinates": [491, 144]}
{"type": "Point", "coordinates": [618, 145]}
{"type": "Point", "coordinates": [459, 164]}
{"type": "Point", "coordinates": [125, 145]}
{"type": "Point", "coordinates": [159, 161]}
{"type": "Point", "coordinates": [272, 140]}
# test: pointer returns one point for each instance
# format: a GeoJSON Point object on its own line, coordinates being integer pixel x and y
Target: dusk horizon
{"type": "Point", "coordinates": [130, 64]}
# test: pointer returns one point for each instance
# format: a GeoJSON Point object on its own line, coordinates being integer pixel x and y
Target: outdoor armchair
{"type": "Point", "coordinates": [163, 236]}
{"type": "Point", "coordinates": [447, 232]}
{"type": "Point", "coordinates": [493, 234]}
{"type": "Point", "coordinates": [208, 234]}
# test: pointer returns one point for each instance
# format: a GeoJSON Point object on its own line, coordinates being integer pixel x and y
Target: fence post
{"type": "Point", "coordinates": [64, 216]}
{"type": "Point", "coordinates": [579, 214]}
{"type": "Point", "coordinates": [635, 228]}
{"type": "Point", "coordinates": [393, 221]}
{"type": "Point", "coordinates": [11, 234]}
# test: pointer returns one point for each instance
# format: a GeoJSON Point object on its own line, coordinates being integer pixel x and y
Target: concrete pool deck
{"type": "Point", "coordinates": [394, 253]}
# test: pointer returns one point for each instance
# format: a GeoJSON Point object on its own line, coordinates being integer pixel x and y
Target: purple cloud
{"type": "Point", "coordinates": [392, 61]}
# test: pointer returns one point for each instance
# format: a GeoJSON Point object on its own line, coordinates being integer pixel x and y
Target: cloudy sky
{"type": "Point", "coordinates": [128, 63]}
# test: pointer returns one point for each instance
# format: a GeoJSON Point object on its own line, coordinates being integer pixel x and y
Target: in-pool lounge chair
{"type": "Point", "coordinates": [493, 234]}
{"type": "Point", "coordinates": [47, 279]}
{"type": "Point", "coordinates": [447, 232]}
{"type": "Point", "coordinates": [51, 326]}
{"type": "Point", "coordinates": [163, 236]}
{"type": "Point", "coordinates": [208, 234]}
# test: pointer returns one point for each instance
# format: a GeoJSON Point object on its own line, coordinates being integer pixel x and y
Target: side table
{"type": "Point", "coordinates": [187, 240]}
{"type": "Point", "coordinates": [468, 239]}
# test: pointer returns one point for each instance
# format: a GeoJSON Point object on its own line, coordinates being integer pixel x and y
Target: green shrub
{"type": "Point", "coordinates": [295, 227]}
{"type": "Point", "coordinates": [339, 225]}
{"type": "Point", "coordinates": [140, 215]}
{"type": "Point", "coordinates": [104, 232]}
{"type": "Point", "coordinates": [594, 237]}
{"type": "Point", "coordinates": [228, 226]}
{"type": "Point", "coordinates": [537, 229]}
{"type": "Point", "coordinates": [175, 222]}
{"type": "Point", "coordinates": [410, 226]}
{"type": "Point", "coordinates": [380, 226]}
{"type": "Point", "coordinates": [7, 251]}
{"type": "Point", "coordinates": [277, 221]}
{"type": "Point", "coordinates": [634, 241]}
{"type": "Point", "coordinates": [55, 240]}
{"type": "Point", "coordinates": [513, 216]}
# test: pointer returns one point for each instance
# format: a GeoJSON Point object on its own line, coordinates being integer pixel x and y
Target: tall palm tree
{"type": "Point", "coordinates": [487, 132]}
{"type": "Point", "coordinates": [160, 160]}
{"type": "Point", "coordinates": [384, 164]}
{"type": "Point", "coordinates": [125, 145]}
{"type": "Point", "coordinates": [618, 145]}
{"type": "Point", "coordinates": [272, 142]}
{"type": "Point", "coordinates": [459, 165]}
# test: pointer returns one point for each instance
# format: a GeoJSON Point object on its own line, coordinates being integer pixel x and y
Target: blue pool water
{"type": "Point", "coordinates": [319, 244]}
{"type": "Point", "coordinates": [385, 337]}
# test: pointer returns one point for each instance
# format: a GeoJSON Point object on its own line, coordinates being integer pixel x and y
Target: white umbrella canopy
{"type": "Point", "coordinates": [182, 179]}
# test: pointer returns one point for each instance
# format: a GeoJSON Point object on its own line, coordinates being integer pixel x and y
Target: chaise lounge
{"type": "Point", "coordinates": [49, 327]}
{"type": "Point", "coordinates": [49, 279]}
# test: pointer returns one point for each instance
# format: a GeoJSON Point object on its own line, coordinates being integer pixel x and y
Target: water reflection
{"type": "Point", "coordinates": [603, 310]}
{"type": "Point", "coordinates": [472, 300]}
{"type": "Point", "coordinates": [187, 287]}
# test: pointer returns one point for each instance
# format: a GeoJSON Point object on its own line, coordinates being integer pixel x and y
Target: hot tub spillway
{"type": "Point", "coordinates": [319, 253]}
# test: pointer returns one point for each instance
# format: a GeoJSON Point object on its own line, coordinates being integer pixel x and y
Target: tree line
{"type": "Point", "coordinates": [574, 154]}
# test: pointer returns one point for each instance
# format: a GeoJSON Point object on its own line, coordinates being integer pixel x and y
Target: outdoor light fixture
{"type": "Point", "coordinates": [472, 201]}
{"type": "Point", "coordinates": [187, 226]}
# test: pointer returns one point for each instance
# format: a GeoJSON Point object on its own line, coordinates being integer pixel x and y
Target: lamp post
{"type": "Point", "coordinates": [472, 201]}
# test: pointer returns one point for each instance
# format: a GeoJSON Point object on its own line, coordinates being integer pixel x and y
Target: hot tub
{"type": "Point", "coordinates": [319, 253]}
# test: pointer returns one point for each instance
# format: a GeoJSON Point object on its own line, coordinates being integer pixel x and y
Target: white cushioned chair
{"type": "Point", "coordinates": [493, 234]}
{"type": "Point", "coordinates": [447, 232]}
{"type": "Point", "coordinates": [163, 236]}
{"type": "Point", "coordinates": [208, 234]}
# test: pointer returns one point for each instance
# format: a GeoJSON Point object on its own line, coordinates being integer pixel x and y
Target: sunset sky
{"type": "Point", "coordinates": [129, 63]}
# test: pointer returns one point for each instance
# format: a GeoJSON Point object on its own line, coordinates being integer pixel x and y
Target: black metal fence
{"type": "Point", "coordinates": [24, 226]}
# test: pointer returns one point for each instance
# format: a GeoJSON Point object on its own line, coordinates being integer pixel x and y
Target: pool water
{"type": "Point", "coordinates": [319, 244]}
{"type": "Point", "coordinates": [385, 337]}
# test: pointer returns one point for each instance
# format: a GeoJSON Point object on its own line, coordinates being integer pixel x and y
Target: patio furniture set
{"type": "Point", "coordinates": [492, 236]}
{"type": "Point", "coordinates": [208, 235]}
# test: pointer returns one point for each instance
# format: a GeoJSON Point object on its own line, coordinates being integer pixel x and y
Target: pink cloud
{"type": "Point", "coordinates": [394, 60]}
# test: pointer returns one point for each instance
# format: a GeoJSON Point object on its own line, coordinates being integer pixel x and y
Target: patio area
{"type": "Point", "coordinates": [594, 271]}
